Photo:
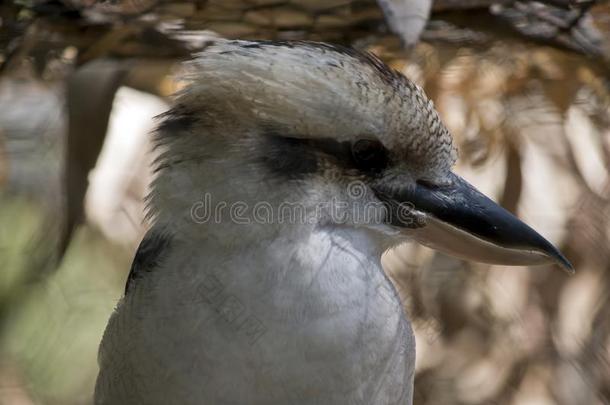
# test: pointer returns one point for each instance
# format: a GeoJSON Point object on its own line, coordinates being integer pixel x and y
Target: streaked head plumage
{"type": "Point", "coordinates": [313, 90]}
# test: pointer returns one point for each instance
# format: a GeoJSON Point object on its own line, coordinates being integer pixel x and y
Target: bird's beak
{"type": "Point", "coordinates": [459, 220]}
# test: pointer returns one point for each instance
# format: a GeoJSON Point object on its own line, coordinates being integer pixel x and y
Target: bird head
{"type": "Point", "coordinates": [325, 122]}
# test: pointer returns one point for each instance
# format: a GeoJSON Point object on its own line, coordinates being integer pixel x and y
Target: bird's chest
{"type": "Point", "coordinates": [284, 329]}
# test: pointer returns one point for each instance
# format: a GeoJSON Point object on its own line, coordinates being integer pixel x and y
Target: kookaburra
{"type": "Point", "coordinates": [285, 170]}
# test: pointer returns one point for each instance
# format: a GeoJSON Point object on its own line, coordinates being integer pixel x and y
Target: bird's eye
{"type": "Point", "coordinates": [369, 155]}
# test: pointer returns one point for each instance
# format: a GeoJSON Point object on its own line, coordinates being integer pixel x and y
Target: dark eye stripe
{"type": "Point", "coordinates": [296, 157]}
{"type": "Point", "coordinates": [288, 157]}
{"type": "Point", "coordinates": [339, 150]}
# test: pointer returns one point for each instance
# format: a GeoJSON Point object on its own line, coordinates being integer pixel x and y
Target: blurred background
{"type": "Point", "coordinates": [523, 86]}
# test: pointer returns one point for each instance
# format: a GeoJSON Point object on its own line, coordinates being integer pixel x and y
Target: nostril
{"type": "Point", "coordinates": [434, 184]}
{"type": "Point", "coordinates": [427, 184]}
